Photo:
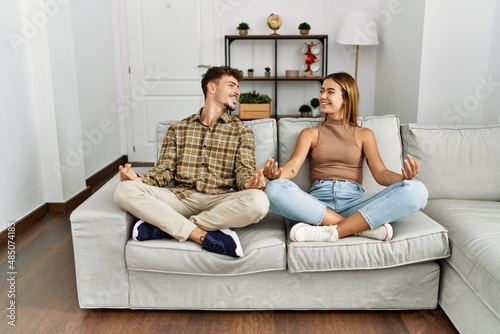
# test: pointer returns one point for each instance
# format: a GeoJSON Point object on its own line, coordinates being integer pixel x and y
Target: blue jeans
{"type": "Point", "coordinates": [395, 202]}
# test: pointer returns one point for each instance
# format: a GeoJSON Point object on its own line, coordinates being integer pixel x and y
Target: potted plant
{"type": "Point", "coordinates": [304, 28]}
{"type": "Point", "coordinates": [315, 104]}
{"type": "Point", "coordinates": [243, 28]}
{"type": "Point", "coordinates": [267, 72]}
{"type": "Point", "coordinates": [250, 72]}
{"type": "Point", "coordinates": [305, 110]}
{"type": "Point", "coordinates": [254, 105]}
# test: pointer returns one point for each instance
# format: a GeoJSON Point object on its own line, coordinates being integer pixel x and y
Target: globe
{"type": "Point", "coordinates": [274, 22]}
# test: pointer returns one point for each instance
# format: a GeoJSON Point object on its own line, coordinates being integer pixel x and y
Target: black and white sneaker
{"type": "Point", "coordinates": [145, 231]}
{"type": "Point", "coordinates": [223, 241]}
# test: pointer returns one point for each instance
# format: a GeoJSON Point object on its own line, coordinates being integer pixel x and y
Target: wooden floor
{"type": "Point", "coordinates": [46, 301]}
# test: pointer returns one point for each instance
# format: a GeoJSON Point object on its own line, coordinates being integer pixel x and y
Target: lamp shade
{"type": "Point", "coordinates": [358, 28]}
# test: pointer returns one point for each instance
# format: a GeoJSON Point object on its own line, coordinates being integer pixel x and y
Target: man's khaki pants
{"type": "Point", "coordinates": [162, 208]}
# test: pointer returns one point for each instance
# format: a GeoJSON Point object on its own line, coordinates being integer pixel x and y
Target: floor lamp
{"type": "Point", "coordinates": [358, 28]}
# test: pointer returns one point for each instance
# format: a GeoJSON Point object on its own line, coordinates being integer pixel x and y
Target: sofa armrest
{"type": "Point", "coordinates": [100, 231]}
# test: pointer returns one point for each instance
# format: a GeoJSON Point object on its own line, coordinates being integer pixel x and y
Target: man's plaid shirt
{"type": "Point", "coordinates": [211, 160]}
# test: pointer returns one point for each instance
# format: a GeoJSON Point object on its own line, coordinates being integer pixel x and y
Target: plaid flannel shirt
{"type": "Point", "coordinates": [211, 160]}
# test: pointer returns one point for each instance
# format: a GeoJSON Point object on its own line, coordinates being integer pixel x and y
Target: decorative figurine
{"type": "Point", "coordinates": [311, 61]}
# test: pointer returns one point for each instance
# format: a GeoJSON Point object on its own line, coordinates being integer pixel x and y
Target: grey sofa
{"type": "Point", "coordinates": [411, 271]}
{"type": "Point", "coordinates": [461, 168]}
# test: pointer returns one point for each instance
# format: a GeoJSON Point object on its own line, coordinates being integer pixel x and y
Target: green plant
{"type": "Point", "coordinates": [254, 97]}
{"type": "Point", "coordinates": [250, 70]}
{"type": "Point", "coordinates": [243, 26]}
{"type": "Point", "coordinates": [314, 103]}
{"type": "Point", "coordinates": [305, 108]}
{"type": "Point", "coordinates": [304, 26]}
{"type": "Point", "coordinates": [268, 69]}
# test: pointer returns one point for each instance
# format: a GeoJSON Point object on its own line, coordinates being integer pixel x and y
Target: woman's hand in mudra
{"type": "Point", "coordinates": [410, 168]}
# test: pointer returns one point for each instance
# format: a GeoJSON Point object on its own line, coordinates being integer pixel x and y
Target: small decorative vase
{"type": "Point", "coordinates": [304, 32]}
{"type": "Point", "coordinates": [243, 32]}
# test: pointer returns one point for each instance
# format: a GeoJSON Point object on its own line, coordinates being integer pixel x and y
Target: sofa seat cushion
{"type": "Point", "coordinates": [263, 245]}
{"type": "Point", "coordinates": [474, 233]}
{"type": "Point", "coordinates": [417, 238]}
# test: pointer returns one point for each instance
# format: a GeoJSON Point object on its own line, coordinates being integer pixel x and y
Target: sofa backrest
{"type": "Point", "coordinates": [385, 128]}
{"type": "Point", "coordinates": [268, 136]}
{"type": "Point", "coordinates": [264, 130]}
{"type": "Point", "coordinates": [457, 161]}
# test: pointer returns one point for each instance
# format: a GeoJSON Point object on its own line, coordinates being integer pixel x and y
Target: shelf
{"type": "Point", "coordinates": [275, 38]}
{"type": "Point", "coordinates": [283, 78]}
{"type": "Point", "coordinates": [250, 37]}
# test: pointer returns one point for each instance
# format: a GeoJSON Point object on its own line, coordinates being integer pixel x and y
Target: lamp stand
{"type": "Point", "coordinates": [357, 56]}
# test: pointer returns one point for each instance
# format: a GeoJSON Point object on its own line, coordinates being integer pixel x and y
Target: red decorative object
{"type": "Point", "coordinates": [310, 52]}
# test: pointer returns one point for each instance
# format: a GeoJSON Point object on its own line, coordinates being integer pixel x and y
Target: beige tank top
{"type": "Point", "coordinates": [336, 155]}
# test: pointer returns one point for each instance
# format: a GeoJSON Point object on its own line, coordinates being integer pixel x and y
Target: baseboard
{"type": "Point", "coordinates": [26, 221]}
{"type": "Point", "coordinates": [106, 171]}
{"type": "Point", "coordinates": [72, 203]}
{"type": "Point", "coordinates": [68, 206]}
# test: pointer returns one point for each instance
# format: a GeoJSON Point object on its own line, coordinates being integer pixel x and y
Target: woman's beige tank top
{"type": "Point", "coordinates": [336, 155]}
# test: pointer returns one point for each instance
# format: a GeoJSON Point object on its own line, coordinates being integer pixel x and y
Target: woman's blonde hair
{"type": "Point", "coordinates": [350, 94]}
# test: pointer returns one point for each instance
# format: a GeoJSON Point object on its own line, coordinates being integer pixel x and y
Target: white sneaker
{"type": "Point", "coordinates": [301, 232]}
{"type": "Point", "coordinates": [383, 232]}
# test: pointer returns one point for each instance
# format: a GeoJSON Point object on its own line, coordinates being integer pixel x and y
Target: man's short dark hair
{"type": "Point", "coordinates": [215, 73]}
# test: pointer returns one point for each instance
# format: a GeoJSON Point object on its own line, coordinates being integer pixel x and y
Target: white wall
{"type": "Point", "coordinates": [58, 87]}
{"type": "Point", "coordinates": [97, 85]}
{"type": "Point", "coordinates": [68, 179]}
{"type": "Point", "coordinates": [401, 25]}
{"type": "Point", "coordinates": [456, 53]}
{"type": "Point", "coordinates": [438, 62]}
{"type": "Point", "coordinates": [23, 186]}
{"type": "Point", "coordinates": [492, 104]}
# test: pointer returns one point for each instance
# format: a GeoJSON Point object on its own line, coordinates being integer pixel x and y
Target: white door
{"type": "Point", "coordinates": [167, 43]}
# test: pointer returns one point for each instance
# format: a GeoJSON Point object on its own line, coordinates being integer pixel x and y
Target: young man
{"type": "Point", "coordinates": [210, 156]}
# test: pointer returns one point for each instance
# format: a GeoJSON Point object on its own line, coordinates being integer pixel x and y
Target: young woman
{"type": "Point", "coordinates": [336, 205]}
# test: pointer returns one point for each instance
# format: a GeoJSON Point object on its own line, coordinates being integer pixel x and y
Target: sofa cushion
{"type": "Point", "coordinates": [474, 234]}
{"type": "Point", "coordinates": [417, 238]}
{"type": "Point", "coordinates": [385, 128]}
{"type": "Point", "coordinates": [263, 245]}
{"type": "Point", "coordinates": [458, 161]}
{"type": "Point", "coordinates": [264, 131]}
{"type": "Point", "coordinates": [266, 139]}
{"type": "Point", "coordinates": [289, 130]}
